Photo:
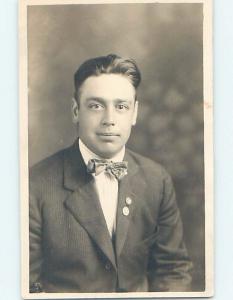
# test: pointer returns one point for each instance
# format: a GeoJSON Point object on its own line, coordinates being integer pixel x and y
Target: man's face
{"type": "Point", "coordinates": [107, 110]}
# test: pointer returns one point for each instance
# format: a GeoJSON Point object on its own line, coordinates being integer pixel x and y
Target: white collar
{"type": "Point", "coordinates": [87, 154]}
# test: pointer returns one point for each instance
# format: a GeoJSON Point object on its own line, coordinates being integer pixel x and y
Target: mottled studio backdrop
{"type": "Point", "coordinates": [166, 42]}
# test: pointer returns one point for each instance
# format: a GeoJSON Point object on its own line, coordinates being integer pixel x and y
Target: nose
{"type": "Point", "coordinates": [108, 118]}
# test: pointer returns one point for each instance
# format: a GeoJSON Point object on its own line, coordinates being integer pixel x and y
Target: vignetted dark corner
{"type": "Point", "coordinates": [166, 42]}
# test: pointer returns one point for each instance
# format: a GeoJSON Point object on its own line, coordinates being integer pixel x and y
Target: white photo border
{"type": "Point", "coordinates": [208, 154]}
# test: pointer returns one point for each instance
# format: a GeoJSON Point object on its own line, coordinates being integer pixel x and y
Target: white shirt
{"type": "Point", "coordinates": [106, 185]}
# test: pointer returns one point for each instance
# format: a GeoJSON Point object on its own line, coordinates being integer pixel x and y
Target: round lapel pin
{"type": "Point", "coordinates": [125, 211]}
{"type": "Point", "coordinates": [128, 201]}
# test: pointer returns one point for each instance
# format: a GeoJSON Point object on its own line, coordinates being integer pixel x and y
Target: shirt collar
{"type": "Point", "coordinates": [87, 154]}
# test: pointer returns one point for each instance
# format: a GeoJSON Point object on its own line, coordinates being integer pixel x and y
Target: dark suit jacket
{"type": "Point", "coordinates": [70, 247]}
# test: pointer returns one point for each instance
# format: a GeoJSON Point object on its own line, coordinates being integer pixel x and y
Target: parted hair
{"type": "Point", "coordinates": [110, 64]}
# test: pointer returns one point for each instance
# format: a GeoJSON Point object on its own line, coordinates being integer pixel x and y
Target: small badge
{"type": "Point", "coordinates": [125, 211]}
{"type": "Point", "coordinates": [128, 201]}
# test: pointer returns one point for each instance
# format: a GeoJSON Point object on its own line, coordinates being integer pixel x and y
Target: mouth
{"type": "Point", "coordinates": [107, 134]}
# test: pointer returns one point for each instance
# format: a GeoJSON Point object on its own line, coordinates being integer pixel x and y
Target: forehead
{"type": "Point", "coordinates": [108, 86]}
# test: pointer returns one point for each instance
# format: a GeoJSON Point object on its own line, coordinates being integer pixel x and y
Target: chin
{"type": "Point", "coordinates": [108, 154]}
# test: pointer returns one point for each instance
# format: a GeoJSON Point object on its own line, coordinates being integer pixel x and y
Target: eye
{"type": "Point", "coordinates": [95, 106]}
{"type": "Point", "coordinates": [122, 107]}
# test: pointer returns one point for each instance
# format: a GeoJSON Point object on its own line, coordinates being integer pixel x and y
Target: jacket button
{"type": "Point", "coordinates": [125, 211]}
{"type": "Point", "coordinates": [128, 201]}
{"type": "Point", "coordinates": [107, 266]}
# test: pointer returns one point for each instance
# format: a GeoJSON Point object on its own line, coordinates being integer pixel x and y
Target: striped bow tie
{"type": "Point", "coordinates": [117, 169]}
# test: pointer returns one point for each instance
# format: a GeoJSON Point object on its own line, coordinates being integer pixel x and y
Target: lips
{"type": "Point", "coordinates": [107, 134]}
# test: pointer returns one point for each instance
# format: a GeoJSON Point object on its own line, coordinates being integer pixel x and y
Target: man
{"type": "Point", "coordinates": [103, 218]}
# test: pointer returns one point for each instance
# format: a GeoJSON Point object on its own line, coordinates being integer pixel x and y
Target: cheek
{"type": "Point", "coordinates": [126, 129]}
{"type": "Point", "coordinates": [126, 122]}
{"type": "Point", "coordinates": [88, 122]}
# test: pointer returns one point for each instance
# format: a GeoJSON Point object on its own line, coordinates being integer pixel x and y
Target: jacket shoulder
{"type": "Point", "coordinates": [148, 165]}
{"type": "Point", "coordinates": [149, 168]}
{"type": "Point", "coordinates": [48, 167]}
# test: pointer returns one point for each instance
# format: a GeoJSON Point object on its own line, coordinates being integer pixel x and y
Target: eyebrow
{"type": "Point", "coordinates": [102, 101]}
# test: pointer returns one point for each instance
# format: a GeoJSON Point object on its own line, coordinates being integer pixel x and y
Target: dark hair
{"type": "Point", "coordinates": [110, 64]}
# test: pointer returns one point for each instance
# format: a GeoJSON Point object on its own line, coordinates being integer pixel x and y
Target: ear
{"type": "Point", "coordinates": [135, 113]}
{"type": "Point", "coordinates": [74, 110]}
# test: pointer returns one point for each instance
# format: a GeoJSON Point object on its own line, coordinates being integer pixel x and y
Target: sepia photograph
{"type": "Point", "coordinates": [116, 158]}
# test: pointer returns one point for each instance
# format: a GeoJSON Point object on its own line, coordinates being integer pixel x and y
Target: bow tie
{"type": "Point", "coordinates": [117, 169]}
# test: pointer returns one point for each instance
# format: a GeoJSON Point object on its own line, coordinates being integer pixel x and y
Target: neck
{"type": "Point", "coordinates": [88, 154]}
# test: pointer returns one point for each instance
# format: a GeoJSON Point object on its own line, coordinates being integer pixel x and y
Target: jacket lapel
{"type": "Point", "coordinates": [83, 202]}
{"type": "Point", "coordinates": [125, 211]}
